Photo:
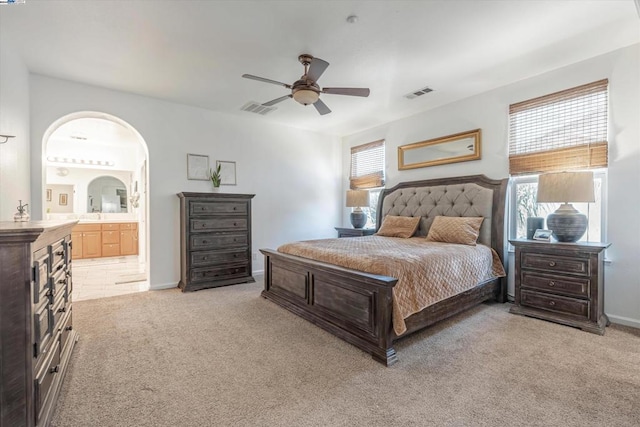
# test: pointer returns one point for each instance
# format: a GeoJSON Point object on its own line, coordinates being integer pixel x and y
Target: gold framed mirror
{"type": "Point", "coordinates": [460, 147]}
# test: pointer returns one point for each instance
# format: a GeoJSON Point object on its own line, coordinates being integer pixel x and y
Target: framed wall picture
{"type": "Point", "coordinates": [62, 200]}
{"type": "Point", "coordinates": [49, 194]}
{"type": "Point", "coordinates": [227, 172]}
{"type": "Point", "coordinates": [198, 167]}
{"type": "Point", "coordinates": [544, 235]}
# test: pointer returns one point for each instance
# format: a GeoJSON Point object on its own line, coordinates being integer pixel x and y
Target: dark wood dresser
{"type": "Point", "coordinates": [354, 232]}
{"type": "Point", "coordinates": [215, 240]}
{"type": "Point", "coordinates": [36, 326]}
{"type": "Point", "coordinates": [561, 282]}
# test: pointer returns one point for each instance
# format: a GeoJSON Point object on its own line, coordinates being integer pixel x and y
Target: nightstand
{"type": "Point", "coordinates": [561, 282]}
{"type": "Point", "coordinates": [354, 232]}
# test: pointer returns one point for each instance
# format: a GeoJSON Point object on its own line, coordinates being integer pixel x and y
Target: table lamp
{"type": "Point", "coordinates": [567, 224]}
{"type": "Point", "coordinates": [356, 199]}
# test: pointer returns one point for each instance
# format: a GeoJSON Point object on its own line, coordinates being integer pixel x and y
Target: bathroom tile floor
{"type": "Point", "coordinates": [107, 277]}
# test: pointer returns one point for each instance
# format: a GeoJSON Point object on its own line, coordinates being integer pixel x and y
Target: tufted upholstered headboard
{"type": "Point", "coordinates": [474, 195]}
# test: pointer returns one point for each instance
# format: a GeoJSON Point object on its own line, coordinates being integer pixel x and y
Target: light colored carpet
{"type": "Point", "coordinates": [227, 357]}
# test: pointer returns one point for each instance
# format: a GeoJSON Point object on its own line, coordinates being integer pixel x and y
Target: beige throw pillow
{"type": "Point", "coordinates": [450, 229]}
{"type": "Point", "coordinates": [398, 226]}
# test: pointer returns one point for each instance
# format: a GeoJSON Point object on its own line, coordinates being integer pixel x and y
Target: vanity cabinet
{"type": "Point", "coordinates": [215, 240]}
{"type": "Point", "coordinates": [37, 335]}
{"type": "Point", "coordinates": [98, 240]}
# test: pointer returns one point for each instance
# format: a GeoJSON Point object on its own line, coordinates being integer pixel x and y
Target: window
{"type": "Point", "coordinates": [563, 131]}
{"type": "Point", "coordinates": [367, 166]}
{"type": "Point", "coordinates": [367, 173]}
{"type": "Point", "coordinates": [523, 196]}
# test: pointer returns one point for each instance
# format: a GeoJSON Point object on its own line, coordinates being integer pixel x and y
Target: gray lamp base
{"type": "Point", "coordinates": [567, 224]}
{"type": "Point", "coordinates": [358, 219]}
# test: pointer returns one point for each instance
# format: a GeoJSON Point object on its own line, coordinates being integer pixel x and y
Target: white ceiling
{"type": "Point", "coordinates": [194, 52]}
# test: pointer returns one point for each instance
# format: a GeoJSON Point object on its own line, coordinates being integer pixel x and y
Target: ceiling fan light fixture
{"type": "Point", "coordinates": [306, 96]}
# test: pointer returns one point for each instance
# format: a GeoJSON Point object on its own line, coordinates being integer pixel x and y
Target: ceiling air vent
{"type": "Point", "coordinates": [255, 107]}
{"type": "Point", "coordinates": [418, 93]}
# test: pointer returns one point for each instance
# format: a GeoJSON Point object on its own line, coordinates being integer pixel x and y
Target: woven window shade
{"type": "Point", "coordinates": [367, 166]}
{"type": "Point", "coordinates": [562, 131]}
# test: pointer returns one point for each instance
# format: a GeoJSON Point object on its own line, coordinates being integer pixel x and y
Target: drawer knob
{"type": "Point", "coordinates": [235, 224]}
{"type": "Point", "coordinates": [552, 283]}
{"type": "Point", "coordinates": [552, 303]}
{"type": "Point", "coordinates": [552, 264]}
{"type": "Point", "coordinates": [60, 267]}
{"type": "Point", "coordinates": [55, 369]}
{"type": "Point", "coordinates": [62, 310]}
{"type": "Point", "coordinates": [60, 253]}
{"type": "Point", "coordinates": [62, 281]}
{"type": "Point", "coordinates": [69, 328]}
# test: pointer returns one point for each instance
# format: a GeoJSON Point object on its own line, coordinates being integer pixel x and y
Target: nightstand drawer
{"type": "Point", "coordinates": [556, 284]}
{"type": "Point", "coordinates": [558, 304]}
{"type": "Point", "coordinates": [574, 265]}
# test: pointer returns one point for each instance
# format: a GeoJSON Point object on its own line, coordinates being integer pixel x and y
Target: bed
{"type": "Point", "coordinates": [358, 306]}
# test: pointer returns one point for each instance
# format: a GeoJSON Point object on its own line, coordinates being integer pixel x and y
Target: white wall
{"type": "Point", "coordinates": [14, 120]}
{"type": "Point", "coordinates": [295, 175]}
{"type": "Point", "coordinates": [489, 111]}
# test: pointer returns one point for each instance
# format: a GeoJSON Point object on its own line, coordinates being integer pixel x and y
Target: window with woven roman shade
{"type": "Point", "coordinates": [562, 131]}
{"type": "Point", "coordinates": [367, 166]}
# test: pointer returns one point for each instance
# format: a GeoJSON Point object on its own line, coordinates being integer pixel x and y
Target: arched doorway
{"type": "Point", "coordinates": [96, 171]}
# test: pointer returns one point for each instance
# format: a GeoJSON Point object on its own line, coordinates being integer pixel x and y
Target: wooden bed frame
{"type": "Point", "coordinates": [357, 306]}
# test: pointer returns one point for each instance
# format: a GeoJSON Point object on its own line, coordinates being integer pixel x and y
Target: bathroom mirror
{"type": "Point", "coordinates": [107, 194]}
{"type": "Point", "coordinates": [460, 147]}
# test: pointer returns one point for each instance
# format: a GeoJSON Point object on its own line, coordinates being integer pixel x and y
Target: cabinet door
{"type": "Point", "coordinates": [91, 244]}
{"type": "Point", "coordinates": [76, 245]}
{"type": "Point", "coordinates": [128, 242]}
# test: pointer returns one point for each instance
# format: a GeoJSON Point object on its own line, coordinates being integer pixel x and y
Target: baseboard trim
{"type": "Point", "coordinates": [258, 272]}
{"type": "Point", "coordinates": [626, 321]}
{"type": "Point", "coordinates": [162, 286]}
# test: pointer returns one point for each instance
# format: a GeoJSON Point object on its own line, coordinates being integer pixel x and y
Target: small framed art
{"type": "Point", "coordinates": [62, 200]}
{"type": "Point", "coordinates": [227, 172]}
{"type": "Point", "coordinates": [543, 235]}
{"type": "Point", "coordinates": [49, 195]}
{"type": "Point", "coordinates": [198, 167]}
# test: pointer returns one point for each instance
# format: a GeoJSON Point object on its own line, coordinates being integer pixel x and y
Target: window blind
{"type": "Point", "coordinates": [562, 131]}
{"type": "Point", "coordinates": [367, 166]}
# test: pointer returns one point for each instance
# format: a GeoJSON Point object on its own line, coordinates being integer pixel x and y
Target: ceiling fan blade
{"type": "Point", "coordinates": [275, 101]}
{"type": "Point", "coordinates": [262, 79]}
{"type": "Point", "coordinates": [316, 69]}
{"type": "Point", "coordinates": [351, 91]}
{"type": "Point", "coordinates": [321, 107]}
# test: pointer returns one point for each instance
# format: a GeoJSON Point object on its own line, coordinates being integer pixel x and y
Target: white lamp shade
{"type": "Point", "coordinates": [357, 198]}
{"type": "Point", "coordinates": [306, 96]}
{"type": "Point", "coordinates": [566, 187]}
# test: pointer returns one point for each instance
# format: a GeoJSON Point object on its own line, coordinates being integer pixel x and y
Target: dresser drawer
{"type": "Point", "coordinates": [556, 284]}
{"type": "Point", "coordinates": [129, 226]}
{"type": "Point", "coordinates": [65, 329]}
{"type": "Point", "coordinates": [208, 208]}
{"type": "Point", "coordinates": [212, 224]}
{"type": "Point", "coordinates": [110, 227]}
{"type": "Point", "coordinates": [558, 304]}
{"type": "Point", "coordinates": [41, 262]}
{"type": "Point", "coordinates": [212, 241]}
{"type": "Point", "coordinates": [58, 284]}
{"type": "Point", "coordinates": [45, 380]}
{"type": "Point", "coordinates": [217, 273]}
{"type": "Point", "coordinates": [579, 266]}
{"type": "Point", "coordinates": [42, 329]}
{"type": "Point", "coordinates": [59, 252]}
{"type": "Point", "coordinates": [58, 311]}
{"type": "Point", "coordinates": [217, 257]}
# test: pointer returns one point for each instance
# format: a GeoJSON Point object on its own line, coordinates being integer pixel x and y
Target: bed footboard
{"type": "Point", "coordinates": [354, 306]}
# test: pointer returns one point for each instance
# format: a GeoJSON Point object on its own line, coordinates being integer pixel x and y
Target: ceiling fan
{"type": "Point", "coordinates": [306, 90]}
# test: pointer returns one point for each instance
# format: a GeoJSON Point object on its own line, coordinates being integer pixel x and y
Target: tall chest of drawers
{"type": "Point", "coordinates": [215, 240]}
{"type": "Point", "coordinates": [36, 324]}
{"type": "Point", "coordinates": [561, 282]}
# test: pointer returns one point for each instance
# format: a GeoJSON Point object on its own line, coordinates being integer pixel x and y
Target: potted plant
{"type": "Point", "coordinates": [215, 177]}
